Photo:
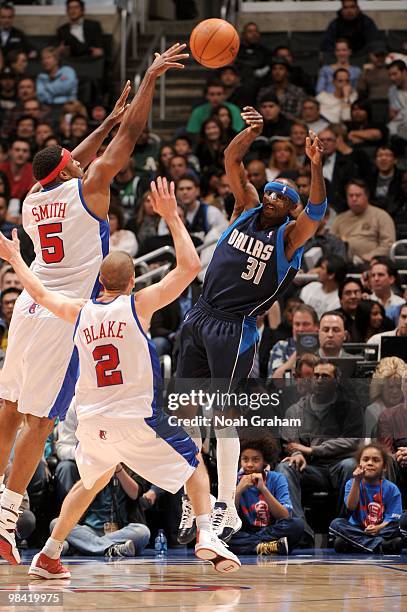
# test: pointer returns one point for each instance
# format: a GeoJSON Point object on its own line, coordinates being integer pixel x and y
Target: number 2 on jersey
{"type": "Point", "coordinates": [107, 358]}
{"type": "Point", "coordinates": [254, 267]}
{"type": "Point", "coordinates": [52, 246]}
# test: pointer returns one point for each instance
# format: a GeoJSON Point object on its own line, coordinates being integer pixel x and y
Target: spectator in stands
{"type": "Point", "coordinates": [400, 330]}
{"type": "Point", "coordinates": [322, 295]}
{"type": "Point", "coordinates": [275, 123]}
{"type": "Point", "coordinates": [57, 84]}
{"type": "Point", "coordinates": [183, 145]}
{"type": "Point", "coordinates": [235, 92]}
{"type": "Point", "coordinates": [18, 62]}
{"type": "Point", "coordinates": [374, 82]}
{"type": "Point", "coordinates": [145, 153]}
{"type": "Point", "coordinates": [79, 129]}
{"type": "Point", "coordinates": [353, 25]}
{"type": "Point", "coordinates": [343, 53]}
{"type": "Point", "coordinates": [374, 505]}
{"type": "Point", "coordinates": [25, 128]}
{"type": "Point", "coordinates": [26, 89]}
{"type": "Point", "coordinates": [298, 76]}
{"type": "Point", "coordinates": [178, 167]}
{"type": "Point", "coordinates": [397, 93]}
{"type": "Point", "coordinates": [43, 131]}
{"type": "Point", "coordinates": [310, 114]}
{"type": "Point", "coordinates": [7, 90]}
{"type": "Point", "coordinates": [370, 319]}
{"type": "Point", "coordinates": [8, 278]}
{"type": "Point", "coordinates": [264, 505]}
{"type": "Point", "coordinates": [385, 392]}
{"type": "Point", "coordinates": [166, 322]}
{"type": "Point", "coordinates": [66, 472]}
{"type": "Point", "coordinates": [8, 299]}
{"type": "Point", "coordinates": [361, 130]}
{"type": "Point", "coordinates": [80, 36]}
{"type": "Point", "coordinates": [283, 161]}
{"type": "Point", "coordinates": [283, 330]}
{"type": "Point", "coordinates": [253, 58]}
{"type": "Point", "coordinates": [10, 37]}
{"type": "Point", "coordinates": [337, 169]}
{"type": "Point", "coordinates": [350, 294]}
{"type": "Point", "coordinates": [18, 169]}
{"type": "Point", "coordinates": [386, 187]}
{"type": "Point", "coordinates": [290, 96]}
{"type": "Point", "coordinates": [120, 239]}
{"type": "Point", "coordinates": [129, 186]}
{"type": "Point", "coordinates": [335, 106]}
{"type": "Point", "coordinates": [257, 175]}
{"type": "Point", "coordinates": [6, 227]}
{"type": "Point", "coordinates": [382, 277]}
{"type": "Point", "coordinates": [211, 146]}
{"type": "Point", "coordinates": [303, 182]}
{"type": "Point", "coordinates": [366, 229]}
{"type": "Point", "coordinates": [215, 94]}
{"type": "Point", "coordinates": [298, 134]}
{"type": "Point", "coordinates": [200, 218]}
{"type": "Point", "coordinates": [225, 116]}
{"type": "Point", "coordinates": [165, 154]}
{"type": "Point", "coordinates": [332, 335]}
{"type": "Point", "coordinates": [323, 238]}
{"type": "Point", "coordinates": [320, 452]}
{"type": "Point", "coordinates": [145, 222]}
{"type": "Point", "coordinates": [284, 353]}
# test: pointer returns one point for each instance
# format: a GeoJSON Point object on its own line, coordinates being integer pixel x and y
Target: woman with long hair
{"type": "Point", "coordinates": [224, 115]}
{"type": "Point", "coordinates": [343, 54]}
{"type": "Point", "coordinates": [120, 239]}
{"type": "Point", "coordinates": [211, 144]}
{"type": "Point", "coordinates": [146, 221]}
{"type": "Point", "coordinates": [283, 160]}
{"type": "Point", "coordinates": [165, 155]}
{"type": "Point", "coordinates": [370, 319]}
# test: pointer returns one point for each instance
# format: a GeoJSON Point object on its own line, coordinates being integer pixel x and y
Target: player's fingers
{"type": "Point", "coordinates": [125, 92]}
{"type": "Point", "coordinates": [176, 58]}
{"type": "Point", "coordinates": [153, 188]}
{"type": "Point", "coordinates": [172, 189]}
{"type": "Point", "coordinates": [156, 54]}
{"type": "Point", "coordinates": [171, 65]}
{"type": "Point", "coordinates": [308, 142]}
{"type": "Point", "coordinates": [165, 187]}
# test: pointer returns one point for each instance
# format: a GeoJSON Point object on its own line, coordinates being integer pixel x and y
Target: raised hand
{"type": "Point", "coordinates": [358, 472]}
{"type": "Point", "coordinates": [314, 148]}
{"type": "Point", "coordinates": [163, 198]}
{"type": "Point", "coordinates": [169, 59]}
{"type": "Point", "coordinates": [9, 248]}
{"type": "Point", "coordinates": [121, 106]}
{"type": "Point", "coordinates": [253, 119]}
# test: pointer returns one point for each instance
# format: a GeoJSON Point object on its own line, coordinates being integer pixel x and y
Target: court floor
{"type": "Point", "coordinates": [309, 581]}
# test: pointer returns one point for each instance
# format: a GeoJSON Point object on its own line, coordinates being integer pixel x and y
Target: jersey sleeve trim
{"type": "Point", "coordinates": [86, 207]}
{"type": "Point", "coordinates": [245, 214]}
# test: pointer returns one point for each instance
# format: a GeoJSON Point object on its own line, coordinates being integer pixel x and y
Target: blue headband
{"type": "Point", "coordinates": [284, 189]}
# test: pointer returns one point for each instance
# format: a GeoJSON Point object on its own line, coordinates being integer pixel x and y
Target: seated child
{"type": "Point", "coordinates": [375, 507]}
{"type": "Point", "coordinates": [264, 504]}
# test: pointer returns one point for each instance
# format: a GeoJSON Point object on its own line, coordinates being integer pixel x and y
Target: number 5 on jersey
{"type": "Point", "coordinates": [52, 246]}
{"type": "Point", "coordinates": [107, 358]}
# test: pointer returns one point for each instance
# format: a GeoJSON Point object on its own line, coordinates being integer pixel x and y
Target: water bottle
{"type": "Point", "coordinates": [160, 543]}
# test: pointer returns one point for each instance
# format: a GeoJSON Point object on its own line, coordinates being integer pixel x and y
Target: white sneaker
{"type": "Point", "coordinates": [187, 526]}
{"type": "Point", "coordinates": [225, 521]}
{"type": "Point", "coordinates": [208, 547]}
{"type": "Point", "coordinates": [8, 546]}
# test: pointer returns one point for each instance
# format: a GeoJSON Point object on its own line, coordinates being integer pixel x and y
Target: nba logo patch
{"type": "Point", "coordinates": [269, 235]}
{"type": "Point", "coordinates": [102, 434]}
{"type": "Point", "coordinates": [33, 308]}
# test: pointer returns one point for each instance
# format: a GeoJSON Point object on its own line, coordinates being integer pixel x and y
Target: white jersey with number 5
{"type": "Point", "coordinates": [119, 368]}
{"type": "Point", "coordinates": [70, 242]}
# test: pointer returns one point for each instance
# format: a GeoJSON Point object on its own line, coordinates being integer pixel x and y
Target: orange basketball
{"type": "Point", "coordinates": [214, 43]}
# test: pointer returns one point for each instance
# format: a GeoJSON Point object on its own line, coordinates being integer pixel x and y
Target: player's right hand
{"type": "Point", "coordinates": [9, 248]}
{"type": "Point", "coordinates": [253, 119]}
{"type": "Point", "coordinates": [169, 59]}
{"type": "Point", "coordinates": [163, 198]}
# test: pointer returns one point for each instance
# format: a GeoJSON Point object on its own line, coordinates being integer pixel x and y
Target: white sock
{"type": "Point", "coordinates": [52, 548]}
{"type": "Point", "coordinates": [227, 455]}
{"type": "Point", "coordinates": [10, 504]}
{"type": "Point", "coordinates": [203, 522]}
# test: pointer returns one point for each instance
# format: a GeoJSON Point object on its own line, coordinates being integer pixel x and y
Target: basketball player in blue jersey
{"type": "Point", "coordinates": [254, 262]}
{"type": "Point", "coordinates": [66, 219]}
{"type": "Point", "coordinates": [119, 419]}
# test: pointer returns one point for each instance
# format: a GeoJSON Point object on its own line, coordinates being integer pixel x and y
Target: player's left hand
{"type": "Point", "coordinates": [253, 119]}
{"type": "Point", "coordinates": [314, 148]}
{"type": "Point", "coordinates": [9, 248]}
{"type": "Point", "coordinates": [120, 107]}
{"type": "Point", "coordinates": [163, 198]}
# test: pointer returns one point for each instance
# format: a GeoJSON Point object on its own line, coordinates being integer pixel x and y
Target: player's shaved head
{"type": "Point", "coordinates": [116, 271]}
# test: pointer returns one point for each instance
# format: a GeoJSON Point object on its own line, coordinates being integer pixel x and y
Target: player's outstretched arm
{"type": "Point", "coordinates": [86, 151]}
{"type": "Point", "coordinates": [188, 265]}
{"type": "Point", "coordinates": [298, 232]}
{"type": "Point", "coordinates": [100, 174]}
{"type": "Point", "coordinates": [63, 307]}
{"type": "Point", "coordinates": [245, 193]}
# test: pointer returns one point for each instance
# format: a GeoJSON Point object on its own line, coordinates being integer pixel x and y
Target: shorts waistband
{"type": "Point", "coordinates": [224, 316]}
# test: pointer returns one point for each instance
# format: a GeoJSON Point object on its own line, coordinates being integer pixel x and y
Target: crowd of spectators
{"type": "Point", "coordinates": [351, 293]}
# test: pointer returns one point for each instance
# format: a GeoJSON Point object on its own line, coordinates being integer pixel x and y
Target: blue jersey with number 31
{"type": "Point", "coordinates": [249, 270]}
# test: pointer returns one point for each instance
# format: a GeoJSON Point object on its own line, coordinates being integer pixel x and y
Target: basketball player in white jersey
{"type": "Point", "coordinates": [67, 222]}
{"type": "Point", "coordinates": [118, 388]}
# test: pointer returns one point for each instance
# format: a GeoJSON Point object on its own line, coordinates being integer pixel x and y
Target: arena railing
{"type": "Point", "coordinates": [314, 6]}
